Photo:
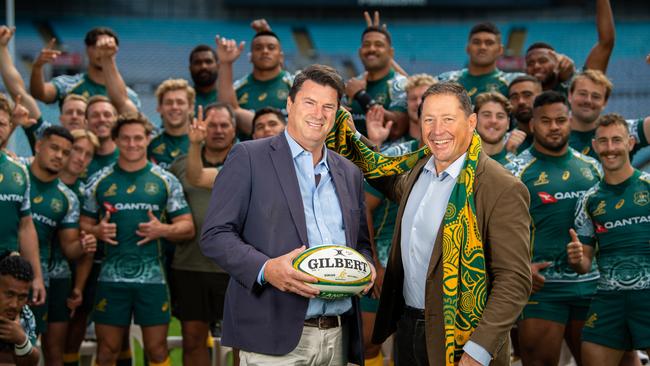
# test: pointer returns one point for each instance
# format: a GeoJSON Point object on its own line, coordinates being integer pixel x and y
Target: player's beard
{"type": "Point", "coordinates": [204, 79]}
{"type": "Point", "coordinates": [553, 146]}
{"type": "Point", "coordinates": [523, 115]}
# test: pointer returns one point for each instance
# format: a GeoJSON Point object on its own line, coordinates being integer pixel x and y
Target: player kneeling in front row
{"type": "Point", "coordinates": [124, 205]}
{"type": "Point", "coordinates": [615, 214]}
{"type": "Point", "coordinates": [17, 325]}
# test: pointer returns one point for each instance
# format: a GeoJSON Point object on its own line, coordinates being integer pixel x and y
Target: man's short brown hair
{"type": "Point", "coordinates": [321, 75]}
{"type": "Point", "coordinates": [597, 77]}
{"type": "Point", "coordinates": [449, 88]}
{"type": "Point", "coordinates": [99, 99]}
{"type": "Point", "coordinates": [612, 119]}
{"type": "Point", "coordinates": [494, 97]}
{"type": "Point", "coordinates": [131, 118]}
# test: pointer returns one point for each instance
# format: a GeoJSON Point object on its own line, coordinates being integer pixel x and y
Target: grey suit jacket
{"type": "Point", "coordinates": [256, 213]}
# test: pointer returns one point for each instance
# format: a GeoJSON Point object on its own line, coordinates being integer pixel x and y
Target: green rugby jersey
{"type": "Point", "coordinates": [14, 200]}
{"type": "Point", "coordinates": [81, 84]}
{"type": "Point", "coordinates": [128, 196]}
{"type": "Point", "coordinates": [616, 218]}
{"type": "Point", "coordinates": [581, 140]}
{"type": "Point", "coordinates": [504, 157]}
{"type": "Point", "coordinates": [555, 185]}
{"type": "Point", "coordinates": [58, 267]}
{"type": "Point", "coordinates": [99, 162]}
{"type": "Point", "coordinates": [204, 99]}
{"type": "Point", "coordinates": [164, 148]}
{"type": "Point", "coordinates": [54, 207]}
{"type": "Point", "coordinates": [495, 81]}
{"type": "Point", "coordinates": [255, 94]}
{"type": "Point", "coordinates": [388, 91]}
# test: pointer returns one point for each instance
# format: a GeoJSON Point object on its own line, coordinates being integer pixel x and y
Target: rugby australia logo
{"type": "Point", "coordinates": [18, 179]}
{"type": "Point", "coordinates": [56, 205]}
{"type": "Point", "coordinates": [641, 198]}
{"type": "Point", "coordinates": [600, 209]}
{"type": "Point", "coordinates": [542, 179]}
{"type": "Point", "coordinates": [111, 191]}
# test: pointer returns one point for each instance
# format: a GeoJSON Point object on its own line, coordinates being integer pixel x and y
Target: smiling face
{"type": "Point", "coordinates": [613, 145]}
{"type": "Point", "coordinates": [551, 128]}
{"type": "Point", "coordinates": [101, 119]}
{"type": "Point", "coordinates": [132, 140]}
{"type": "Point", "coordinates": [446, 129]}
{"type": "Point", "coordinates": [484, 49]}
{"type": "Point", "coordinates": [587, 100]}
{"type": "Point", "coordinates": [267, 125]}
{"type": "Point", "coordinates": [311, 115]}
{"type": "Point", "coordinates": [542, 64]}
{"type": "Point", "coordinates": [175, 108]}
{"type": "Point", "coordinates": [492, 122]}
{"type": "Point", "coordinates": [375, 51]}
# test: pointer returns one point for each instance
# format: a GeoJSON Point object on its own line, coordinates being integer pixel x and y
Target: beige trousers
{"type": "Point", "coordinates": [317, 347]}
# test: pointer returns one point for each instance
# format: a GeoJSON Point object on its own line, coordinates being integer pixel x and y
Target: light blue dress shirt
{"type": "Point", "coordinates": [421, 222]}
{"type": "Point", "coordinates": [322, 215]}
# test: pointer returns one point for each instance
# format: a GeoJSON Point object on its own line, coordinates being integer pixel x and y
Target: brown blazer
{"type": "Point", "coordinates": [502, 208]}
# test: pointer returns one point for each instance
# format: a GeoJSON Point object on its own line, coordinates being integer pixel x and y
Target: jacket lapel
{"type": "Point", "coordinates": [286, 173]}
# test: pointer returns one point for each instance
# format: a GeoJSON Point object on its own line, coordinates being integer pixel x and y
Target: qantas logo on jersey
{"type": "Point", "coordinates": [11, 197]}
{"type": "Point", "coordinates": [44, 220]}
{"type": "Point", "coordinates": [130, 206]}
{"type": "Point", "coordinates": [626, 222]}
{"type": "Point", "coordinates": [548, 198]}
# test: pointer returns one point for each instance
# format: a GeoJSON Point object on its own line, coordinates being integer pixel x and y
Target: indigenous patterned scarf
{"type": "Point", "coordinates": [464, 286]}
{"type": "Point", "coordinates": [374, 165]}
{"type": "Point", "coordinates": [464, 276]}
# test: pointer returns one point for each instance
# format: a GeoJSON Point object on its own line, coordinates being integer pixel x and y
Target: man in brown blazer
{"type": "Point", "coordinates": [411, 301]}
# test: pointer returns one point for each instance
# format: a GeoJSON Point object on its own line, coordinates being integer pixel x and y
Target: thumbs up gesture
{"type": "Point", "coordinates": [106, 231]}
{"type": "Point", "coordinates": [150, 230]}
{"type": "Point", "coordinates": [88, 242]}
{"type": "Point", "coordinates": [574, 249]}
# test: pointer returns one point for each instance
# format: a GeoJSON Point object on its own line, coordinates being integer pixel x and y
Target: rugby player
{"type": "Point", "coordinates": [87, 84]}
{"type": "Point", "coordinates": [123, 207]}
{"type": "Point", "coordinates": [614, 217]}
{"type": "Point", "coordinates": [555, 71]}
{"type": "Point", "coordinates": [101, 116]}
{"type": "Point", "coordinates": [55, 210]}
{"type": "Point", "coordinates": [484, 47]}
{"type": "Point", "coordinates": [268, 122]}
{"type": "Point", "coordinates": [17, 229]}
{"type": "Point", "coordinates": [380, 86]}
{"type": "Point", "coordinates": [492, 111]}
{"type": "Point", "coordinates": [17, 335]}
{"type": "Point", "coordinates": [522, 92]}
{"type": "Point", "coordinates": [204, 70]}
{"type": "Point", "coordinates": [556, 177]}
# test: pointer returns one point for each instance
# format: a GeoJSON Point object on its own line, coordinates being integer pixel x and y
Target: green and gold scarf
{"type": "Point", "coordinates": [464, 276]}
{"type": "Point", "coordinates": [464, 285]}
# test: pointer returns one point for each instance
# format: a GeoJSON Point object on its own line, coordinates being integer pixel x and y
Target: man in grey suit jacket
{"type": "Point", "coordinates": [273, 198]}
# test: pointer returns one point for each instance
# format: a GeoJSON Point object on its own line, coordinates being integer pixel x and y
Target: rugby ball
{"type": "Point", "coordinates": [341, 271]}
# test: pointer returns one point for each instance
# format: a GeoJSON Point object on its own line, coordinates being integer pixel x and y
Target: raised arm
{"type": "Point", "coordinates": [598, 57]}
{"type": "Point", "coordinates": [115, 85]}
{"type": "Point", "coordinates": [45, 92]}
{"type": "Point", "coordinates": [195, 173]}
{"type": "Point", "coordinates": [228, 51]}
{"type": "Point", "coordinates": [11, 77]}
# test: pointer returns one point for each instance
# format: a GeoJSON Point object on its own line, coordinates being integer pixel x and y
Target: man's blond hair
{"type": "Point", "coordinates": [80, 133]}
{"type": "Point", "coordinates": [417, 80]}
{"type": "Point", "coordinates": [597, 77]}
{"type": "Point", "coordinates": [176, 84]}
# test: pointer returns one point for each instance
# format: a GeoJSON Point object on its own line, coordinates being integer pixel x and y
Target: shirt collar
{"type": "Point", "coordinates": [452, 170]}
{"type": "Point", "coordinates": [296, 150]}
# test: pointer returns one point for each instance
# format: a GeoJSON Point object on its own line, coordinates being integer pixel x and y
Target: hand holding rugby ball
{"type": "Point", "coordinates": [340, 271]}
